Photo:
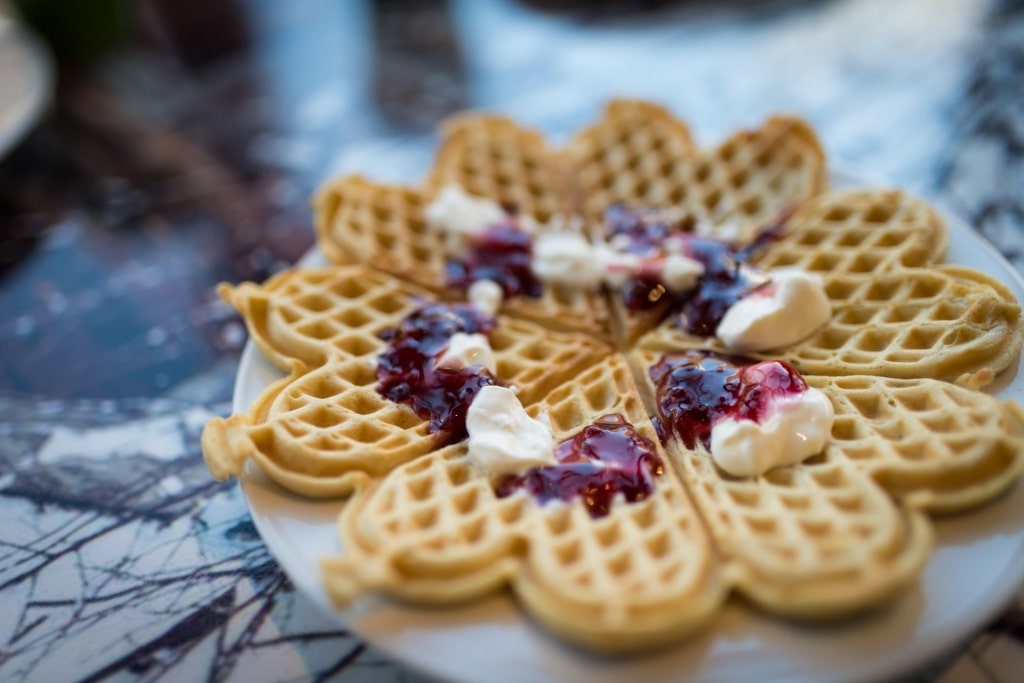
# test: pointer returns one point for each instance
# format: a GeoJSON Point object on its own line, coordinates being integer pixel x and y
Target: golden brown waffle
{"type": "Point", "coordinates": [322, 433]}
{"type": "Point", "coordinates": [312, 314]}
{"type": "Point", "coordinates": [640, 155]}
{"type": "Point", "coordinates": [947, 322]}
{"type": "Point", "coordinates": [814, 540]}
{"type": "Point", "coordinates": [839, 533]}
{"type": "Point", "coordinates": [383, 226]}
{"type": "Point", "coordinates": [859, 232]}
{"type": "Point", "coordinates": [434, 531]}
{"type": "Point", "coordinates": [491, 156]}
{"type": "Point", "coordinates": [940, 447]}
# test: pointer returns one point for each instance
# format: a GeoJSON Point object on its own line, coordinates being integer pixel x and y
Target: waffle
{"type": "Point", "coordinates": [940, 447]}
{"type": "Point", "coordinates": [325, 429]}
{"type": "Point", "coordinates": [909, 343]}
{"type": "Point", "coordinates": [836, 235]}
{"type": "Point", "coordinates": [491, 156]}
{"type": "Point", "coordinates": [829, 523]}
{"type": "Point", "coordinates": [860, 232]}
{"type": "Point", "coordinates": [947, 322]}
{"type": "Point", "coordinates": [434, 531]}
{"type": "Point", "coordinates": [640, 155]}
{"type": "Point", "coordinates": [384, 226]}
{"type": "Point", "coordinates": [313, 314]}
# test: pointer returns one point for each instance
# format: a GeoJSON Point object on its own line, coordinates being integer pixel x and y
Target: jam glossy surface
{"type": "Point", "coordinates": [727, 276]}
{"type": "Point", "coordinates": [406, 372]}
{"type": "Point", "coordinates": [502, 253]}
{"type": "Point", "coordinates": [696, 389]}
{"type": "Point", "coordinates": [725, 281]}
{"type": "Point", "coordinates": [604, 459]}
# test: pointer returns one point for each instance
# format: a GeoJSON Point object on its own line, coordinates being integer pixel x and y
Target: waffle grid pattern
{"type": "Point", "coordinates": [436, 517]}
{"type": "Point", "coordinates": [947, 323]}
{"type": "Point", "coordinates": [326, 428]}
{"type": "Point", "coordinates": [860, 232]}
{"type": "Point", "coordinates": [491, 156]}
{"type": "Point", "coordinates": [639, 155]}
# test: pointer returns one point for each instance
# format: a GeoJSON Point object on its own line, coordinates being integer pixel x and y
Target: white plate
{"type": "Point", "coordinates": [976, 568]}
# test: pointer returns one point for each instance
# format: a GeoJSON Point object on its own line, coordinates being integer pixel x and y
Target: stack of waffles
{"type": "Point", "coordinates": [909, 346]}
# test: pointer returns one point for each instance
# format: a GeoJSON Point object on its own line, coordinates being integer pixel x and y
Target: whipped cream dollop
{"type": "Point", "coordinates": [568, 258]}
{"type": "Point", "coordinates": [461, 216]}
{"type": "Point", "coordinates": [728, 230]}
{"type": "Point", "coordinates": [503, 439]}
{"type": "Point", "coordinates": [679, 273]}
{"type": "Point", "coordinates": [485, 296]}
{"type": "Point", "coordinates": [788, 309]}
{"type": "Point", "coordinates": [467, 350]}
{"type": "Point", "coordinates": [797, 427]}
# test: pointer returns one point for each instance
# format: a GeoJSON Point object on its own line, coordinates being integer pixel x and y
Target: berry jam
{"type": "Point", "coordinates": [406, 372]}
{"type": "Point", "coordinates": [607, 458]}
{"type": "Point", "coordinates": [727, 277]}
{"type": "Point", "coordinates": [644, 232]}
{"type": "Point", "coordinates": [725, 281]}
{"type": "Point", "coordinates": [502, 253]}
{"type": "Point", "coordinates": [698, 388]}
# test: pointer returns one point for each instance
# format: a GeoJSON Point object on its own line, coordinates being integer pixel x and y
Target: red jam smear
{"type": "Point", "coordinates": [406, 372]}
{"type": "Point", "coordinates": [727, 277]}
{"type": "Point", "coordinates": [602, 460]}
{"type": "Point", "coordinates": [698, 388]}
{"type": "Point", "coordinates": [502, 253]}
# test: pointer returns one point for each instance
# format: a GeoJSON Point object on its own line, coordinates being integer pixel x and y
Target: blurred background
{"type": "Point", "coordinates": [151, 149]}
{"type": "Point", "coordinates": [183, 138]}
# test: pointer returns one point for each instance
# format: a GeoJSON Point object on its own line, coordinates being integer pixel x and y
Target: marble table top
{"type": "Point", "coordinates": [185, 154]}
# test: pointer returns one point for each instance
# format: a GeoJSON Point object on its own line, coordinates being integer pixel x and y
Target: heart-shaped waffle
{"type": "Point", "coordinates": [326, 428]}
{"type": "Point", "coordinates": [808, 537]}
{"type": "Point", "coordinates": [434, 531]}
{"type": "Point", "coordinates": [840, 532]}
{"type": "Point", "coordinates": [638, 154]}
{"type": "Point", "coordinates": [859, 232]}
{"type": "Point", "coordinates": [384, 226]}
{"type": "Point", "coordinates": [946, 322]}
{"type": "Point", "coordinates": [493, 157]}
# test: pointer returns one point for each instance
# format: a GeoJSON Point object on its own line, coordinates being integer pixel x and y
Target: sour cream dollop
{"type": "Point", "coordinates": [503, 439]}
{"type": "Point", "coordinates": [798, 427]}
{"type": "Point", "coordinates": [461, 216]}
{"type": "Point", "coordinates": [466, 350]}
{"type": "Point", "coordinates": [790, 308]}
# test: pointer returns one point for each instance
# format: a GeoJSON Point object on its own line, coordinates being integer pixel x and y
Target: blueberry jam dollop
{"type": "Point", "coordinates": [604, 459]}
{"type": "Point", "coordinates": [406, 372]}
{"type": "Point", "coordinates": [502, 253]}
{"type": "Point", "coordinates": [727, 278]}
{"type": "Point", "coordinates": [697, 388]}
